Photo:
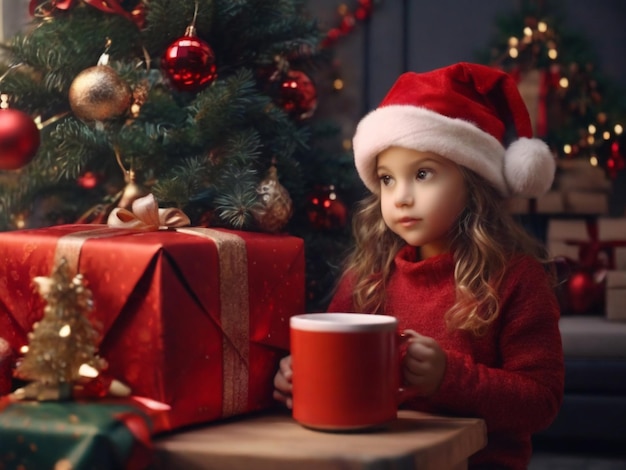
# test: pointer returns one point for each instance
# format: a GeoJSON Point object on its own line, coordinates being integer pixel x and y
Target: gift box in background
{"type": "Point", "coordinates": [616, 295]}
{"type": "Point", "coordinates": [592, 247]}
{"type": "Point", "coordinates": [552, 202]}
{"type": "Point", "coordinates": [564, 237]}
{"type": "Point", "coordinates": [579, 189]}
{"type": "Point", "coordinates": [195, 318]}
{"type": "Point", "coordinates": [592, 242]}
{"type": "Point", "coordinates": [620, 259]}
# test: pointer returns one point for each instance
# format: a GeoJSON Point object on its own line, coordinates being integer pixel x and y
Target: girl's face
{"type": "Point", "coordinates": [421, 196]}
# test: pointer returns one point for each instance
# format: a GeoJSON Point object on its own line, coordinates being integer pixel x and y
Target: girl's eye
{"type": "Point", "coordinates": [385, 180]}
{"type": "Point", "coordinates": [423, 174]}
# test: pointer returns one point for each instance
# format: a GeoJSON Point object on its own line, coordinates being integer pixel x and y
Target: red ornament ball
{"type": "Point", "coordinates": [325, 210]}
{"type": "Point", "coordinates": [585, 293]}
{"type": "Point", "coordinates": [19, 139]}
{"type": "Point", "coordinates": [189, 63]}
{"type": "Point", "coordinates": [297, 95]}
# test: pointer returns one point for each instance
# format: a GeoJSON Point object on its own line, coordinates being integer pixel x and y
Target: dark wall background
{"type": "Point", "coordinates": [421, 35]}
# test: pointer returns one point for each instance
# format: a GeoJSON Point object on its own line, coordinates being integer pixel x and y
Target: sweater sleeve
{"type": "Point", "coordinates": [524, 392]}
{"type": "Point", "coordinates": [342, 300]}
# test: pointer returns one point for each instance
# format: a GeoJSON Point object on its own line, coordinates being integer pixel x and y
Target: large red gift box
{"type": "Point", "coordinates": [194, 318]}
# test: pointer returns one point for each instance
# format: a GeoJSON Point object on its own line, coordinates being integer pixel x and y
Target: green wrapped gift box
{"type": "Point", "coordinates": [73, 435]}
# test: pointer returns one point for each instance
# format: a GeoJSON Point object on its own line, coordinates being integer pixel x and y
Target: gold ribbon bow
{"type": "Point", "coordinates": [146, 215]}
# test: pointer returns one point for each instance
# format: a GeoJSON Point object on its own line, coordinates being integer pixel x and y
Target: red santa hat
{"type": "Point", "coordinates": [469, 113]}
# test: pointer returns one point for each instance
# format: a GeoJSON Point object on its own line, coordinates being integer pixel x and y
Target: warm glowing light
{"type": "Point", "coordinates": [528, 31]}
{"type": "Point", "coordinates": [20, 221]}
{"type": "Point", "coordinates": [88, 371]}
{"type": "Point", "coordinates": [564, 82]}
{"type": "Point", "coordinates": [542, 26]}
{"type": "Point", "coordinates": [567, 149]}
{"type": "Point", "coordinates": [65, 331]}
{"type": "Point", "coordinates": [4, 101]}
{"type": "Point", "coordinates": [591, 140]}
{"type": "Point", "coordinates": [553, 54]}
{"type": "Point", "coordinates": [24, 349]}
{"type": "Point", "coordinates": [593, 160]}
{"type": "Point", "coordinates": [606, 135]}
{"type": "Point", "coordinates": [513, 52]}
{"type": "Point", "coordinates": [618, 129]}
{"type": "Point", "coordinates": [513, 41]}
{"type": "Point", "coordinates": [338, 84]}
{"type": "Point", "coordinates": [591, 129]}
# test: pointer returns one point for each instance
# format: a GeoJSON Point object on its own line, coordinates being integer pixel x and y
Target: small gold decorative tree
{"type": "Point", "coordinates": [63, 343]}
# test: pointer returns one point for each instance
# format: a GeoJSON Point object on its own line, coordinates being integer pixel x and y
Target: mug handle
{"type": "Point", "coordinates": [405, 393]}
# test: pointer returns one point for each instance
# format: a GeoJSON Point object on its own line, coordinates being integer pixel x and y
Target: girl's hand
{"type": "Point", "coordinates": [282, 382]}
{"type": "Point", "coordinates": [424, 364]}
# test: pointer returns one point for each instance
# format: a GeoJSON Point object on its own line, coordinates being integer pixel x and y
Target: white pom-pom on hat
{"type": "Point", "coordinates": [466, 113]}
{"type": "Point", "coordinates": [529, 167]}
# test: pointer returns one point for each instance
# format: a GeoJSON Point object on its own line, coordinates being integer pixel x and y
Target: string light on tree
{"type": "Point", "coordinates": [615, 162]}
{"type": "Point", "coordinates": [347, 21]}
{"type": "Point", "coordinates": [325, 210]}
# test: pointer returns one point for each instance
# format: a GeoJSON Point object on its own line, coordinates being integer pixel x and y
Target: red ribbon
{"type": "Point", "coordinates": [137, 15]}
{"type": "Point", "coordinates": [589, 250]}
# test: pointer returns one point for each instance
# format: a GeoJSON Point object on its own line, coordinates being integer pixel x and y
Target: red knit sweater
{"type": "Point", "coordinates": [512, 377]}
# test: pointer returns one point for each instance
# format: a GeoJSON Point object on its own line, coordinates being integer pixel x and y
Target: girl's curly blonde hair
{"type": "Point", "coordinates": [482, 242]}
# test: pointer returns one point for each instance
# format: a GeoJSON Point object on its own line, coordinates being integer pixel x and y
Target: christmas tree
{"type": "Point", "coordinates": [578, 111]}
{"type": "Point", "coordinates": [63, 343]}
{"type": "Point", "coordinates": [207, 104]}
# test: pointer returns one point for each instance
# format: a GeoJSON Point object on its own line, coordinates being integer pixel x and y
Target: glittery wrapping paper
{"type": "Point", "coordinates": [77, 436]}
{"type": "Point", "coordinates": [196, 318]}
{"type": "Point", "coordinates": [6, 363]}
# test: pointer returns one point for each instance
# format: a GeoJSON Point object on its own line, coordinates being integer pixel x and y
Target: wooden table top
{"type": "Point", "coordinates": [276, 442]}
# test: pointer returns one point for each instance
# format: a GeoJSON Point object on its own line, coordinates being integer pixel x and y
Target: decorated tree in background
{"type": "Point", "coordinates": [207, 104]}
{"type": "Point", "coordinates": [581, 115]}
{"type": "Point", "coordinates": [576, 109]}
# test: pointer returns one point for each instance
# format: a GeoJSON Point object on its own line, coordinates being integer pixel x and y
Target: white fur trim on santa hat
{"type": "Point", "coordinates": [458, 140]}
{"type": "Point", "coordinates": [529, 167]}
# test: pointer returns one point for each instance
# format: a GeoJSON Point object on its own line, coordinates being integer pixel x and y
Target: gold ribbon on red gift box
{"type": "Point", "coordinates": [147, 216]}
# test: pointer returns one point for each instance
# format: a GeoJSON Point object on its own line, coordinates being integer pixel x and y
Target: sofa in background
{"type": "Point", "coordinates": [594, 405]}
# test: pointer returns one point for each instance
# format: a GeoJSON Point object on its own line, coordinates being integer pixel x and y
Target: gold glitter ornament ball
{"type": "Point", "coordinates": [98, 93]}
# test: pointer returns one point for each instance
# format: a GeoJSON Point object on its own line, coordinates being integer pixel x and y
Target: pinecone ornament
{"type": "Point", "coordinates": [275, 206]}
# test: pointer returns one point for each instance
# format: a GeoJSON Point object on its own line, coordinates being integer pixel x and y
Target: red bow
{"type": "Point", "coordinates": [137, 15]}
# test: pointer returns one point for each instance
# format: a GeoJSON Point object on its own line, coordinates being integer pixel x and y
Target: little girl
{"type": "Point", "coordinates": [436, 248]}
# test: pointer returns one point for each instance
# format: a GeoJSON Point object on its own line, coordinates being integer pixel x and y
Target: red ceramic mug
{"type": "Point", "coordinates": [346, 370]}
